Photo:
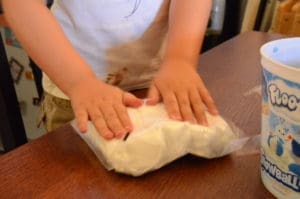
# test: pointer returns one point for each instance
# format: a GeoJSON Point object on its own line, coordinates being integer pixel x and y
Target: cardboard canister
{"type": "Point", "coordinates": [280, 132]}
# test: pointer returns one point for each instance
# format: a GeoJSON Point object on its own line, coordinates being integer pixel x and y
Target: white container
{"type": "Point", "coordinates": [280, 140]}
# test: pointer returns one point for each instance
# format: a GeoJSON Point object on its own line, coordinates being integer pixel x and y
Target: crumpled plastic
{"type": "Point", "coordinates": [157, 140]}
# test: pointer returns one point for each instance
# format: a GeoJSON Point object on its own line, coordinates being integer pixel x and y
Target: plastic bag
{"type": "Point", "coordinates": [158, 140]}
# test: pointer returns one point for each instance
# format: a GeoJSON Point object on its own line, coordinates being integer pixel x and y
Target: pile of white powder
{"type": "Point", "coordinates": [158, 140]}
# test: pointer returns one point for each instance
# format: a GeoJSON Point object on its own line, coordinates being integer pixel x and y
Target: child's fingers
{"type": "Point", "coordinates": [99, 123]}
{"type": "Point", "coordinates": [81, 116]}
{"type": "Point", "coordinates": [185, 107]}
{"type": "Point", "coordinates": [171, 102]}
{"type": "Point", "coordinates": [112, 120]}
{"type": "Point", "coordinates": [208, 101]}
{"type": "Point", "coordinates": [124, 118]}
{"type": "Point", "coordinates": [131, 100]}
{"type": "Point", "coordinates": [198, 107]}
{"type": "Point", "coordinates": [153, 96]}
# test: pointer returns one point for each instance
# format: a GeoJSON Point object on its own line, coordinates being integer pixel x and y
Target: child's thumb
{"type": "Point", "coordinates": [153, 96]}
{"type": "Point", "coordinates": [131, 100]}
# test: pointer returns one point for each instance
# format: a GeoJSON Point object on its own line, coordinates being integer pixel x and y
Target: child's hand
{"type": "Point", "coordinates": [104, 105]}
{"type": "Point", "coordinates": [183, 93]}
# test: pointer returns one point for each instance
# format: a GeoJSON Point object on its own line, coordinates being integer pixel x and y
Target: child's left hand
{"type": "Point", "coordinates": [183, 92]}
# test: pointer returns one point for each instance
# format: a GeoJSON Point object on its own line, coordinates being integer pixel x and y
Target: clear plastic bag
{"type": "Point", "coordinates": [158, 140]}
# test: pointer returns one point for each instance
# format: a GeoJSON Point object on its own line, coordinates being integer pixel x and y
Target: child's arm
{"type": "Point", "coordinates": [44, 41]}
{"type": "Point", "coordinates": [178, 83]}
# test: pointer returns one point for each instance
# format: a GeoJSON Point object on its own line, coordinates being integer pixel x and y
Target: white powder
{"type": "Point", "coordinates": [158, 140]}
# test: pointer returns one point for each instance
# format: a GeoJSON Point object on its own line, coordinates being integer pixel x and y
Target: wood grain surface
{"type": "Point", "coordinates": [60, 164]}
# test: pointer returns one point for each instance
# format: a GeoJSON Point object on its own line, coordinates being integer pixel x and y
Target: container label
{"type": "Point", "coordinates": [285, 178]}
{"type": "Point", "coordinates": [284, 99]}
{"type": "Point", "coordinates": [280, 157]}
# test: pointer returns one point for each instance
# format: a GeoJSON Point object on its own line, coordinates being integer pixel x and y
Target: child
{"type": "Point", "coordinates": [92, 52]}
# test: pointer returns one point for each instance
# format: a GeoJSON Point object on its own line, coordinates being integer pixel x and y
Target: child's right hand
{"type": "Point", "coordinates": [104, 105]}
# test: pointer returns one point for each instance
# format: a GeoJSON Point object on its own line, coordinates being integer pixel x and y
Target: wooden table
{"type": "Point", "coordinates": [60, 164]}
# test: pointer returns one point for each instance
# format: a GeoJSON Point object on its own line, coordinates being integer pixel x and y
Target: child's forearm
{"type": "Point", "coordinates": [187, 26]}
{"type": "Point", "coordinates": [44, 41]}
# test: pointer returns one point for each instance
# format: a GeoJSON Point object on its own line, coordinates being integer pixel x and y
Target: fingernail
{"type": "Point", "coordinates": [205, 123]}
{"type": "Point", "coordinates": [215, 112]}
{"type": "Point", "coordinates": [108, 135]}
{"type": "Point", "coordinates": [128, 128]}
{"type": "Point", "coordinates": [176, 117]}
{"type": "Point", "coordinates": [119, 134]}
{"type": "Point", "coordinates": [81, 126]}
{"type": "Point", "coordinates": [83, 130]}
